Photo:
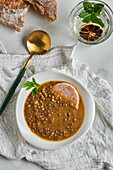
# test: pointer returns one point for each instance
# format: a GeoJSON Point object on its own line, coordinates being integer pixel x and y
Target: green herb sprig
{"type": "Point", "coordinates": [91, 13]}
{"type": "Point", "coordinates": [28, 85]}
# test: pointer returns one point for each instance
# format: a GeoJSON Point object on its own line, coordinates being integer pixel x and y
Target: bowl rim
{"type": "Point", "coordinates": [63, 142]}
{"type": "Point", "coordinates": [93, 42]}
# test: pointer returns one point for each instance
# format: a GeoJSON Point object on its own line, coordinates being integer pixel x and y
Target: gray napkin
{"type": "Point", "coordinates": [94, 150]}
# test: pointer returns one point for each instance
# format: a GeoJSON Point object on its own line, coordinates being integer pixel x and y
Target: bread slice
{"type": "Point", "coordinates": [46, 7]}
{"type": "Point", "coordinates": [12, 13]}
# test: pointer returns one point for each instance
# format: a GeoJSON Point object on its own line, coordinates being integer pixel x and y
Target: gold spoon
{"type": "Point", "coordinates": [38, 43]}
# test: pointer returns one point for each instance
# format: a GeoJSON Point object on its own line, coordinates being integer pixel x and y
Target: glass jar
{"type": "Point", "coordinates": [106, 16]}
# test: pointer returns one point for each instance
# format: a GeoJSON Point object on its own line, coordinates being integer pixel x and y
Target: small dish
{"type": "Point", "coordinates": [51, 145]}
{"type": "Point", "coordinates": [106, 16]}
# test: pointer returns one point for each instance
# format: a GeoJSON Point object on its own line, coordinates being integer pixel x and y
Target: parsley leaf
{"type": "Point", "coordinates": [28, 85]}
{"type": "Point", "coordinates": [33, 92]}
{"type": "Point", "coordinates": [35, 83]}
{"type": "Point", "coordinates": [36, 90]}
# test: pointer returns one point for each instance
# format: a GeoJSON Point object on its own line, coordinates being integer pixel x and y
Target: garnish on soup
{"type": "Point", "coordinates": [28, 85]}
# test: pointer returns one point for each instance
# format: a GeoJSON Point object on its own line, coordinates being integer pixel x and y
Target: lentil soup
{"type": "Point", "coordinates": [53, 116]}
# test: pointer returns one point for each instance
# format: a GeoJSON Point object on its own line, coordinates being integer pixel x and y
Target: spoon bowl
{"type": "Point", "coordinates": [38, 42]}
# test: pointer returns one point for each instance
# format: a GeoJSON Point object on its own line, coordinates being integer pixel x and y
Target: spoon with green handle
{"type": "Point", "coordinates": [38, 43]}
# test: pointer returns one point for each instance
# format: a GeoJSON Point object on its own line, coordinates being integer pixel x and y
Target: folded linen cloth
{"type": "Point", "coordinates": [92, 151]}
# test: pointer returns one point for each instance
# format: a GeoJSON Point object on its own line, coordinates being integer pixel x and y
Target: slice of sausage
{"type": "Point", "coordinates": [68, 91]}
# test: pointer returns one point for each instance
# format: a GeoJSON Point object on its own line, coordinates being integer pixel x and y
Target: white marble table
{"type": "Point", "coordinates": [98, 57]}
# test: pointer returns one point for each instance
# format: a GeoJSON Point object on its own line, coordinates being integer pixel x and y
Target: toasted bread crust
{"type": "Point", "coordinates": [12, 12]}
{"type": "Point", "coordinates": [46, 7]}
{"type": "Point", "coordinates": [14, 4]}
{"type": "Point", "coordinates": [13, 18]}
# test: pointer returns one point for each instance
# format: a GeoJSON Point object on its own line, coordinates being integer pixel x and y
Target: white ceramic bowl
{"type": "Point", "coordinates": [34, 139]}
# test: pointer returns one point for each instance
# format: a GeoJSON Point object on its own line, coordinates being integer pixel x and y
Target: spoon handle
{"type": "Point", "coordinates": [12, 90]}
